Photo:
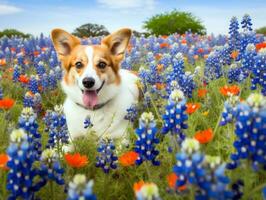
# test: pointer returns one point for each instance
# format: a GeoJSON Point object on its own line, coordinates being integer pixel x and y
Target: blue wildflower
{"type": "Point", "coordinates": [175, 117]}
{"type": "Point", "coordinates": [250, 128]}
{"type": "Point", "coordinates": [79, 188]}
{"type": "Point", "coordinates": [106, 158]}
{"type": "Point", "coordinates": [146, 139]}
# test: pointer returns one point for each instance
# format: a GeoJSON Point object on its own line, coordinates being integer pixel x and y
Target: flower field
{"type": "Point", "coordinates": [199, 131]}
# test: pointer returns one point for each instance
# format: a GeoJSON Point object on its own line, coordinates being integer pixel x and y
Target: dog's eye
{"type": "Point", "coordinates": [78, 65]}
{"type": "Point", "coordinates": [101, 65]}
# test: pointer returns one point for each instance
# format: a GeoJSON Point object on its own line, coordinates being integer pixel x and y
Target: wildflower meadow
{"type": "Point", "coordinates": [198, 132]}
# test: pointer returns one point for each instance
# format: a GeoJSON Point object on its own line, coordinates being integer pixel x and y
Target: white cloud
{"type": "Point", "coordinates": [6, 9]}
{"type": "Point", "coordinates": [118, 4]}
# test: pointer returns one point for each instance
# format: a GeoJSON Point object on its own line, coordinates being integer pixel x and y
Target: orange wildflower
{"type": "Point", "coordinates": [205, 56]}
{"type": "Point", "coordinates": [76, 160]}
{"type": "Point", "coordinates": [184, 41]}
{"type": "Point", "coordinates": [160, 86]}
{"type": "Point", "coordinates": [171, 179]}
{"type": "Point", "coordinates": [196, 57]}
{"type": "Point", "coordinates": [23, 79]}
{"type": "Point", "coordinates": [6, 103]}
{"type": "Point", "coordinates": [3, 161]}
{"type": "Point", "coordinates": [200, 50]}
{"type": "Point", "coordinates": [36, 53]}
{"type": "Point", "coordinates": [2, 62]}
{"type": "Point", "coordinates": [229, 90]}
{"type": "Point", "coordinates": [192, 107]}
{"type": "Point", "coordinates": [260, 46]}
{"type": "Point", "coordinates": [160, 67]}
{"type": "Point", "coordinates": [164, 45]}
{"type": "Point", "coordinates": [234, 54]}
{"type": "Point", "coordinates": [202, 92]}
{"type": "Point", "coordinates": [138, 185]}
{"type": "Point", "coordinates": [164, 36]}
{"type": "Point", "coordinates": [13, 49]}
{"type": "Point", "coordinates": [204, 136]}
{"type": "Point", "coordinates": [128, 158]}
{"type": "Point", "coordinates": [158, 56]}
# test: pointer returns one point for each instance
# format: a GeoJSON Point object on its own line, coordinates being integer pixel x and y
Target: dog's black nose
{"type": "Point", "coordinates": [88, 82]}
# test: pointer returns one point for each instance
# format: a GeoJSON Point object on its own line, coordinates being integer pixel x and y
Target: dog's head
{"type": "Point", "coordinates": [91, 71]}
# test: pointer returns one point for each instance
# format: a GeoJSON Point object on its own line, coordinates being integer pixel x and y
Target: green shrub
{"type": "Point", "coordinates": [90, 30]}
{"type": "Point", "coordinates": [261, 30]}
{"type": "Point", "coordinates": [13, 32]}
{"type": "Point", "coordinates": [174, 22]}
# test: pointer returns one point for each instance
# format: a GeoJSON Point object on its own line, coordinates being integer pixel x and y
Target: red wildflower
{"type": "Point", "coordinates": [202, 92]}
{"type": "Point", "coordinates": [192, 107]}
{"type": "Point", "coordinates": [204, 136]}
{"type": "Point", "coordinates": [24, 79]}
{"type": "Point", "coordinates": [260, 46]}
{"type": "Point", "coordinates": [36, 53]}
{"type": "Point", "coordinates": [160, 86]}
{"type": "Point", "coordinates": [171, 179]}
{"type": "Point", "coordinates": [234, 54]}
{"type": "Point", "coordinates": [184, 41]}
{"type": "Point", "coordinates": [138, 185]}
{"type": "Point", "coordinates": [2, 62]}
{"type": "Point", "coordinates": [6, 103]}
{"type": "Point", "coordinates": [200, 50]}
{"type": "Point", "coordinates": [128, 158]}
{"type": "Point", "coordinates": [164, 45]}
{"type": "Point", "coordinates": [3, 161]}
{"type": "Point", "coordinates": [158, 56]}
{"type": "Point", "coordinates": [229, 90]}
{"type": "Point", "coordinates": [76, 160]}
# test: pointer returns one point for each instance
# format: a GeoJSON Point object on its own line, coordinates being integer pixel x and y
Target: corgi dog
{"type": "Point", "coordinates": [94, 84]}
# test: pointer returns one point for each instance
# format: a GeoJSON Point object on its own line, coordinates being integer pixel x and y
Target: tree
{"type": "Point", "coordinates": [13, 32]}
{"type": "Point", "coordinates": [174, 22]}
{"type": "Point", "coordinates": [90, 30]}
{"type": "Point", "coordinates": [261, 30]}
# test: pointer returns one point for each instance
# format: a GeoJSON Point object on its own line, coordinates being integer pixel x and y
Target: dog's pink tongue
{"type": "Point", "coordinates": [90, 98]}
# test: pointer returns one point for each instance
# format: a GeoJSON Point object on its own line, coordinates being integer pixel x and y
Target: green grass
{"type": "Point", "coordinates": [117, 185]}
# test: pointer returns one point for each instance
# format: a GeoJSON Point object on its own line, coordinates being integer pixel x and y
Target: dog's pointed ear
{"type": "Point", "coordinates": [117, 42]}
{"type": "Point", "coordinates": [63, 42]}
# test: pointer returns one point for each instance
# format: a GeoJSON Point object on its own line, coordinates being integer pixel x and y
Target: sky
{"type": "Point", "coordinates": [36, 16]}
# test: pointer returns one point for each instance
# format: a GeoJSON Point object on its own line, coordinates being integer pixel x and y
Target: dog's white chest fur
{"type": "Point", "coordinates": [110, 118]}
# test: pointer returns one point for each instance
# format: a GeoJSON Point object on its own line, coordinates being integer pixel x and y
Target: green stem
{"type": "Point", "coordinates": [258, 188]}
{"type": "Point", "coordinates": [51, 189]}
{"type": "Point", "coordinates": [147, 169]}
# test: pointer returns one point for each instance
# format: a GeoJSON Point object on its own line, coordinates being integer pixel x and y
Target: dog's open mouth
{"type": "Point", "coordinates": [90, 97]}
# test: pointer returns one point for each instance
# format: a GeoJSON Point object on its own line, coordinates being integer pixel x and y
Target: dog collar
{"type": "Point", "coordinates": [96, 107]}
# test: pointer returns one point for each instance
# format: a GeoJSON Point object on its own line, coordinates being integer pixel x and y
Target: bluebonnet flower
{"type": "Point", "coordinates": [87, 122]}
{"type": "Point", "coordinates": [148, 191]}
{"type": "Point", "coordinates": [50, 167]}
{"type": "Point", "coordinates": [33, 84]}
{"type": "Point", "coordinates": [52, 80]}
{"type": "Point", "coordinates": [16, 73]}
{"type": "Point", "coordinates": [56, 126]}
{"type": "Point", "coordinates": [28, 100]}
{"type": "Point", "coordinates": [237, 189]}
{"type": "Point", "coordinates": [28, 122]}
{"type": "Point", "coordinates": [264, 193]}
{"type": "Point", "coordinates": [175, 117]}
{"type": "Point", "coordinates": [259, 71]}
{"type": "Point", "coordinates": [246, 23]}
{"type": "Point", "coordinates": [185, 80]}
{"type": "Point", "coordinates": [106, 158]}
{"type": "Point", "coordinates": [230, 111]}
{"type": "Point", "coordinates": [236, 73]}
{"type": "Point", "coordinates": [248, 59]}
{"type": "Point", "coordinates": [213, 67]}
{"type": "Point", "coordinates": [40, 69]}
{"type": "Point", "coordinates": [21, 174]}
{"type": "Point", "coordinates": [132, 113]}
{"type": "Point", "coordinates": [250, 128]}
{"type": "Point", "coordinates": [146, 139]}
{"type": "Point", "coordinates": [234, 36]}
{"type": "Point", "coordinates": [205, 173]}
{"type": "Point", "coordinates": [79, 188]}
